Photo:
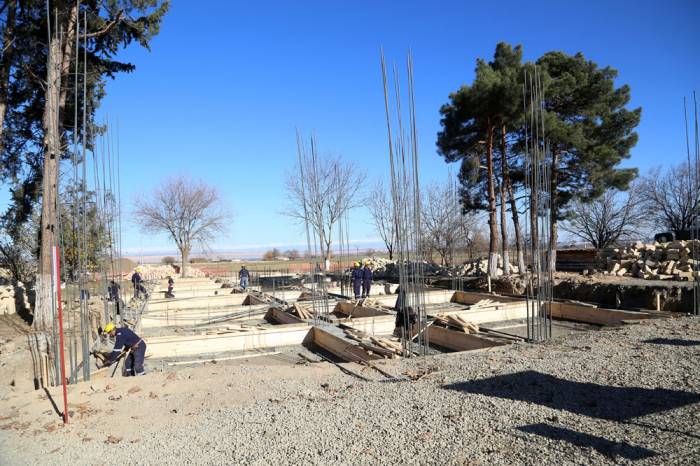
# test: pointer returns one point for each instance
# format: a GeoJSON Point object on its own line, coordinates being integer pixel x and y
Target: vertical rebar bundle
{"type": "Point", "coordinates": [309, 175]}
{"type": "Point", "coordinates": [693, 194]}
{"type": "Point", "coordinates": [538, 181]}
{"type": "Point", "coordinates": [406, 200]}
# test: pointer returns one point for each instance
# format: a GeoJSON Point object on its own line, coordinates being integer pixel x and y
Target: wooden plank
{"type": "Point", "coordinates": [340, 347]}
{"type": "Point", "coordinates": [278, 315]}
{"type": "Point", "coordinates": [379, 325]}
{"type": "Point", "coordinates": [508, 311]}
{"type": "Point", "coordinates": [209, 302]}
{"type": "Point", "coordinates": [597, 315]}
{"type": "Point", "coordinates": [350, 309]}
{"type": "Point", "coordinates": [458, 341]}
{"type": "Point", "coordinates": [255, 338]}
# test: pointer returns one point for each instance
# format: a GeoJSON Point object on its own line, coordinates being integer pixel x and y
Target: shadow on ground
{"type": "Point", "coordinates": [673, 342]}
{"type": "Point", "coordinates": [579, 439]}
{"type": "Point", "coordinates": [588, 399]}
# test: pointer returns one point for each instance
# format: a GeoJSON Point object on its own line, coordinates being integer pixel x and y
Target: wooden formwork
{"type": "Point", "coordinates": [185, 317]}
{"type": "Point", "coordinates": [250, 339]}
{"type": "Point", "coordinates": [210, 302]}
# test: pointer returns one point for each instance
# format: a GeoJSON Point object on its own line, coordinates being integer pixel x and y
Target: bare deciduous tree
{"type": "Point", "coordinates": [321, 190]}
{"type": "Point", "coordinates": [446, 228]}
{"type": "Point", "coordinates": [608, 219]}
{"type": "Point", "coordinates": [382, 212]}
{"type": "Point", "coordinates": [669, 201]}
{"type": "Point", "coordinates": [189, 212]}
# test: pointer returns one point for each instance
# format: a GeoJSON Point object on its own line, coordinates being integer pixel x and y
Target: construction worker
{"type": "Point", "coordinates": [244, 277]}
{"type": "Point", "coordinates": [366, 280]}
{"type": "Point", "coordinates": [356, 279]}
{"type": "Point", "coordinates": [130, 345]}
{"type": "Point", "coordinates": [113, 290]}
{"type": "Point", "coordinates": [405, 316]}
{"type": "Point", "coordinates": [136, 282]}
{"type": "Point", "coordinates": [171, 283]}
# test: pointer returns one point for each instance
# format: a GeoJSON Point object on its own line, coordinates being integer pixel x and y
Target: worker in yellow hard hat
{"type": "Point", "coordinates": [356, 280]}
{"type": "Point", "coordinates": [128, 344]}
{"type": "Point", "coordinates": [366, 280]}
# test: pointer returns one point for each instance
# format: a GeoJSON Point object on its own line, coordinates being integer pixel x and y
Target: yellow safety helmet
{"type": "Point", "coordinates": [357, 264]}
{"type": "Point", "coordinates": [109, 327]}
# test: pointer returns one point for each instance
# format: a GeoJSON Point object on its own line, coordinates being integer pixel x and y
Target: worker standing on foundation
{"type": "Point", "coordinates": [113, 290]}
{"type": "Point", "coordinates": [136, 282]}
{"type": "Point", "coordinates": [366, 280]}
{"type": "Point", "coordinates": [171, 283]}
{"type": "Point", "coordinates": [129, 345]}
{"type": "Point", "coordinates": [356, 279]}
{"type": "Point", "coordinates": [244, 277]}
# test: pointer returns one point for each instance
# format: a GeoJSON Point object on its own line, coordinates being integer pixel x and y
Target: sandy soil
{"type": "Point", "coordinates": [616, 396]}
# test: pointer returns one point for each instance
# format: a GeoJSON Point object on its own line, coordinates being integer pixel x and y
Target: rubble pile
{"type": "Point", "coordinates": [479, 268]}
{"type": "Point", "coordinates": [474, 268]}
{"type": "Point", "coordinates": [657, 261]}
{"type": "Point", "coordinates": [159, 272]}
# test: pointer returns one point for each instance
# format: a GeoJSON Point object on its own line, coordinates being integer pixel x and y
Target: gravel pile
{"type": "Point", "coordinates": [619, 396]}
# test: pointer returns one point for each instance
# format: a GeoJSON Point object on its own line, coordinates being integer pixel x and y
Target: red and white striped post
{"type": "Point", "coordinates": [57, 275]}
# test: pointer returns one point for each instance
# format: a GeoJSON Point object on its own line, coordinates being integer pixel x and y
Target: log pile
{"type": "Point", "coordinates": [657, 261]}
{"type": "Point", "coordinates": [457, 323]}
{"type": "Point", "coordinates": [302, 311]}
{"type": "Point", "coordinates": [385, 347]}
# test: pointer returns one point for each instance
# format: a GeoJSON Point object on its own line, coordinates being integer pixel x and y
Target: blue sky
{"type": "Point", "coordinates": [226, 83]}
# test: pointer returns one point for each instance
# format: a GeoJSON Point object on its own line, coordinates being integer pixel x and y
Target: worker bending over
{"type": "Point", "coordinates": [366, 280]}
{"type": "Point", "coordinates": [129, 344]}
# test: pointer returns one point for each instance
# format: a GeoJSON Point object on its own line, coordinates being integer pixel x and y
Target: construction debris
{"type": "Point", "coordinates": [657, 261]}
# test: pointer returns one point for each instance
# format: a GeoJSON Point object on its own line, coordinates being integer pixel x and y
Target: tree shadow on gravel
{"type": "Point", "coordinates": [673, 342]}
{"type": "Point", "coordinates": [579, 439]}
{"type": "Point", "coordinates": [588, 399]}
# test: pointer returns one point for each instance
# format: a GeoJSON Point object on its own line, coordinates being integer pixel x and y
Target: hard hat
{"type": "Point", "coordinates": [109, 327]}
{"type": "Point", "coordinates": [357, 264]}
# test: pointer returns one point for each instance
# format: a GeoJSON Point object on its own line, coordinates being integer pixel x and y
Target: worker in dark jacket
{"type": "Point", "coordinates": [136, 282]}
{"type": "Point", "coordinates": [244, 277]}
{"type": "Point", "coordinates": [366, 280]}
{"type": "Point", "coordinates": [356, 280]}
{"type": "Point", "coordinates": [405, 316]}
{"type": "Point", "coordinates": [171, 284]}
{"type": "Point", "coordinates": [113, 290]}
{"type": "Point", "coordinates": [127, 341]}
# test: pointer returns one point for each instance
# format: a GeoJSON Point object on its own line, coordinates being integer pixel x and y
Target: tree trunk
{"type": "Point", "coordinates": [516, 227]}
{"type": "Point", "coordinates": [513, 205]}
{"type": "Point", "coordinates": [391, 253]}
{"type": "Point", "coordinates": [504, 231]}
{"type": "Point", "coordinates": [42, 315]}
{"type": "Point", "coordinates": [8, 50]}
{"type": "Point", "coordinates": [185, 253]}
{"type": "Point", "coordinates": [68, 50]}
{"type": "Point", "coordinates": [553, 213]}
{"type": "Point", "coordinates": [493, 226]}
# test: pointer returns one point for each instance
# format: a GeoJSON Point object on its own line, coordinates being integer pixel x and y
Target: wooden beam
{"type": "Point", "coordinates": [282, 317]}
{"type": "Point", "coordinates": [341, 347]}
{"type": "Point", "coordinates": [350, 309]}
{"type": "Point", "coordinates": [281, 335]}
{"type": "Point", "coordinates": [597, 315]}
{"type": "Point", "coordinates": [458, 341]}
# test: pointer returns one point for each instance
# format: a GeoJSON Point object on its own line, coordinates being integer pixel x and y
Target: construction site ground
{"type": "Point", "coordinates": [621, 395]}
